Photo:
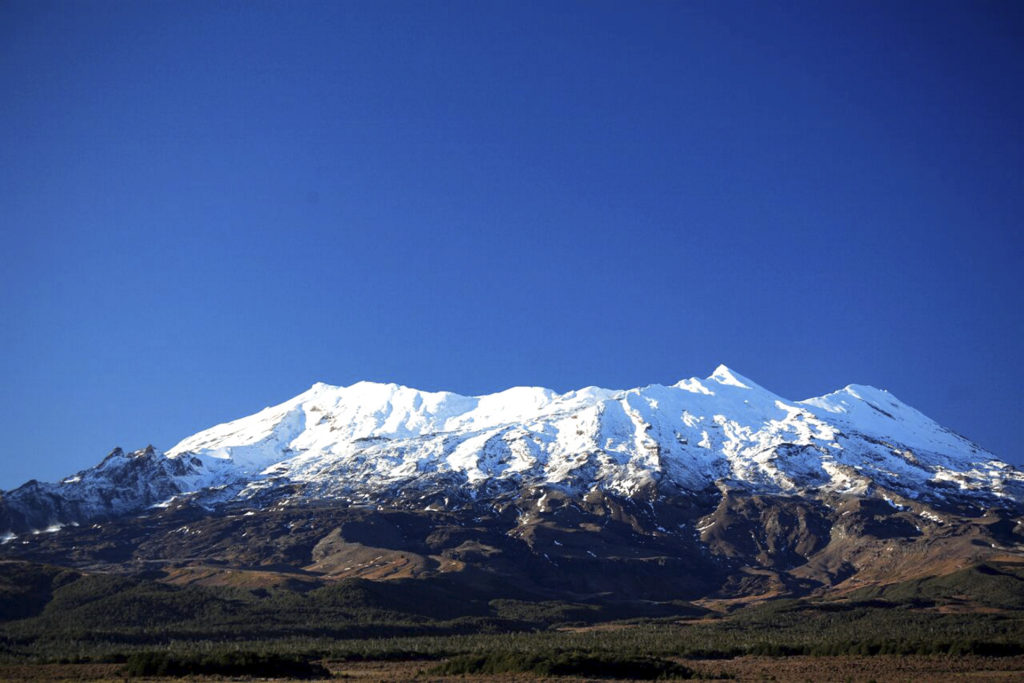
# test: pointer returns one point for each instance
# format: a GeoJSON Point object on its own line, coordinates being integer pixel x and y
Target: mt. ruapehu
{"type": "Point", "coordinates": [710, 488]}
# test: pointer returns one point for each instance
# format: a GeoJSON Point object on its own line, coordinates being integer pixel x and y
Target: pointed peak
{"type": "Point", "coordinates": [115, 455]}
{"type": "Point", "coordinates": [723, 375]}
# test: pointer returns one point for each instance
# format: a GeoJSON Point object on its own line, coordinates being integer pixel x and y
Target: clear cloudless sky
{"type": "Point", "coordinates": [208, 206]}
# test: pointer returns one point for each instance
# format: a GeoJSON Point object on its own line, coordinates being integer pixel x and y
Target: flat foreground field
{"type": "Point", "coordinates": [937, 669]}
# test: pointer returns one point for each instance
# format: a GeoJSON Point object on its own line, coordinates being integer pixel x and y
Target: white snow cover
{"type": "Point", "coordinates": [698, 433]}
{"type": "Point", "coordinates": [384, 444]}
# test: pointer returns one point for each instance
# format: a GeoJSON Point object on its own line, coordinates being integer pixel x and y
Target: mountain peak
{"type": "Point", "coordinates": [723, 375]}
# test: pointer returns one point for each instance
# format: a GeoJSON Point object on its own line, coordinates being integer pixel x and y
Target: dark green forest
{"type": "Point", "coordinates": [51, 614]}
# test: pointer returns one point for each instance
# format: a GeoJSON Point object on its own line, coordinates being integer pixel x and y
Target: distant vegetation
{"type": "Point", "coordinates": [237, 663]}
{"type": "Point", "coordinates": [564, 664]}
{"type": "Point", "coordinates": [55, 615]}
{"type": "Point", "coordinates": [987, 584]}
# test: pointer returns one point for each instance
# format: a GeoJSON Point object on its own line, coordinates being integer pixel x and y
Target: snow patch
{"type": "Point", "coordinates": [931, 516]}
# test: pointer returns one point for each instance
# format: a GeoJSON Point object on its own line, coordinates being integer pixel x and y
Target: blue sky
{"type": "Point", "coordinates": [208, 206]}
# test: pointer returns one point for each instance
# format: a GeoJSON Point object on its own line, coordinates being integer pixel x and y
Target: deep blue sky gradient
{"type": "Point", "coordinates": [208, 206]}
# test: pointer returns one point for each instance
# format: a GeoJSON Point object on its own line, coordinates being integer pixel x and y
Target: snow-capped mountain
{"type": "Point", "coordinates": [390, 445]}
